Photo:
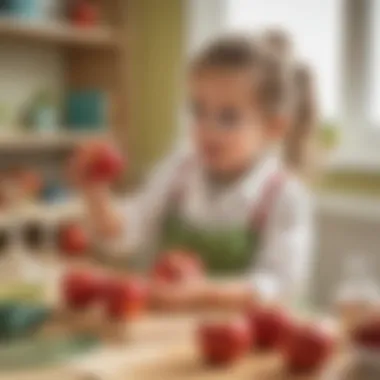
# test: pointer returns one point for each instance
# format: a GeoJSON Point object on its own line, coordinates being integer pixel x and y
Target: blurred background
{"type": "Point", "coordinates": [72, 70]}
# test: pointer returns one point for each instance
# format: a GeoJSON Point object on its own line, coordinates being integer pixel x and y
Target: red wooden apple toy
{"type": "Point", "coordinates": [125, 298]}
{"type": "Point", "coordinates": [177, 266]}
{"type": "Point", "coordinates": [307, 348]}
{"type": "Point", "coordinates": [224, 342]}
{"type": "Point", "coordinates": [105, 163]}
{"type": "Point", "coordinates": [269, 326]}
{"type": "Point", "coordinates": [81, 289]}
{"type": "Point", "coordinates": [73, 239]}
{"type": "Point", "coordinates": [84, 13]}
{"type": "Point", "coordinates": [367, 335]}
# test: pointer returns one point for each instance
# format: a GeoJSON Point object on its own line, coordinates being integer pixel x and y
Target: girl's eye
{"type": "Point", "coordinates": [228, 118]}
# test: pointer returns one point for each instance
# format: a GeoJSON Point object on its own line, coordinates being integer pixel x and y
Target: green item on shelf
{"type": "Point", "coordinates": [4, 114]}
{"type": "Point", "coordinates": [329, 136]}
{"type": "Point", "coordinates": [19, 320]}
{"type": "Point", "coordinates": [86, 110]}
{"type": "Point", "coordinates": [23, 292]}
{"type": "Point", "coordinates": [42, 112]}
{"type": "Point", "coordinates": [42, 352]}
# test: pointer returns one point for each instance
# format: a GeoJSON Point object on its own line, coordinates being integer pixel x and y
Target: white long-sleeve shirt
{"type": "Point", "coordinates": [284, 259]}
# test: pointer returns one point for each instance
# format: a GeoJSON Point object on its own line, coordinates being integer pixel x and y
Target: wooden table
{"type": "Point", "coordinates": [158, 348]}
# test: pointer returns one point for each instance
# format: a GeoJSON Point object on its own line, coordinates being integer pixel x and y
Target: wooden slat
{"type": "Point", "coordinates": [16, 142]}
{"type": "Point", "coordinates": [58, 33]}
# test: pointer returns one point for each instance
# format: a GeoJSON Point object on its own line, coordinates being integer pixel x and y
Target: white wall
{"type": "Point", "coordinates": [25, 70]}
{"type": "Point", "coordinates": [205, 20]}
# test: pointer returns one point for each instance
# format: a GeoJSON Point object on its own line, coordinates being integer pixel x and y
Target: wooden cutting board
{"type": "Point", "coordinates": [160, 348]}
{"type": "Point", "coordinates": [157, 362]}
{"type": "Point", "coordinates": [184, 363]}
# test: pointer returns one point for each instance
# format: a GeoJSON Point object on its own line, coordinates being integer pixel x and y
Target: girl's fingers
{"type": "Point", "coordinates": [229, 297]}
{"type": "Point", "coordinates": [183, 296]}
{"type": "Point", "coordinates": [78, 162]}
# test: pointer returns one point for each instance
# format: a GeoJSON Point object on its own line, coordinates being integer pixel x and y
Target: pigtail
{"type": "Point", "coordinates": [300, 134]}
{"type": "Point", "coordinates": [299, 139]}
{"type": "Point", "coordinates": [279, 43]}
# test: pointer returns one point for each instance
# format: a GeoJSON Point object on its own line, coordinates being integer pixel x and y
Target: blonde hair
{"type": "Point", "coordinates": [281, 85]}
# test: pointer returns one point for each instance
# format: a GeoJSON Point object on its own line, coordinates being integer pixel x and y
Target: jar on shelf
{"type": "Point", "coordinates": [42, 113]}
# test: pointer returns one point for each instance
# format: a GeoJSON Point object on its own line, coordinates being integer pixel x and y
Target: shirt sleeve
{"type": "Point", "coordinates": [283, 267]}
{"type": "Point", "coordinates": [142, 213]}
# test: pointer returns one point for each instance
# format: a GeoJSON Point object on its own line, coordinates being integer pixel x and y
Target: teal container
{"type": "Point", "coordinates": [19, 320]}
{"type": "Point", "coordinates": [22, 348]}
{"type": "Point", "coordinates": [26, 9]}
{"type": "Point", "coordinates": [86, 110]}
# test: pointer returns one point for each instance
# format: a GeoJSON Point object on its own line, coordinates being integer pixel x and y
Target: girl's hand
{"type": "Point", "coordinates": [77, 164]}
{"type": "Point", "coordinates": [96, 163]}
{"type": "Point", "coordinates": [179, 296]}
{"type": "Point", "coordinates": [205, 296]}
{"type": "Point", "coordinates": [105, 220]}
{"type": "Point", "coordinates": [230, 296]}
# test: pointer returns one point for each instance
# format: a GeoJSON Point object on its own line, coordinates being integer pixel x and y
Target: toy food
{"type": "Point", "coordinates": [224, 342]}
{"type": "Point", "coordinates": [81, 289]}
{"type": "Point", "coordinates": [269, 326]}
{"type": "Point", "coordinates": [125, 297]}
{"type": "Point", "coordinates": [105, 163]}
{"type": "Point", "coordinates": [73, 239]}
{"type": "Point", "coordinates": [176, 266]}
{"type": "Point", "coordinates": [367, 335]}
{"type": "Point", "coordinates": [307, 348]}
{"type": "Point", "coordinates": [85, 13]}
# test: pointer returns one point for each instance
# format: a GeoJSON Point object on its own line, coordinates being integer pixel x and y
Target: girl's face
{"type": "Point", "coordinates": [227, 130]}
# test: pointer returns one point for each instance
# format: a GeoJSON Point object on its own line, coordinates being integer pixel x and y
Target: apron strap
{"type": "Point", "coordinates": [177, 190]}
{"type": "Point", "coordinates": [269, 195]}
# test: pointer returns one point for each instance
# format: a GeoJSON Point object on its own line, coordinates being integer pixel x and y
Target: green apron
{"type": "Point", "coordinates": [223, 251]}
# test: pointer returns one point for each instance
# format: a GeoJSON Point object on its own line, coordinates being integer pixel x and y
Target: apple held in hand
{"type": "Point", "coordinates": [178, 266]}
{"type": "Point", "coordinates": [81, 289]}
{"type": "Point", "coordinates": [224, 342]}
{"type": "Point", "coordinates": [125, 298]}
{"type": "Point", "coordinates": [269, 326]}
{"type": "Point", "coordinates": [73, 239]}
{"type": "Point", "coordinates": [307, 348]}
{"type": "Point", "coordinates": [105, 163]}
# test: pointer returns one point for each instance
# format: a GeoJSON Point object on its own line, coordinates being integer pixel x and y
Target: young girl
{"type": "Point", "coordinates": [233, 196]}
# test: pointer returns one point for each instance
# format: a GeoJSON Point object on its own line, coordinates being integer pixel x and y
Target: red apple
{"type": "Point", "coordinates": [125, 298]}
{"type": "Point", "coordinates": [80, 289]}
{"type": "Point", "coordinates": [224, 342]}
{"type": "Point", "coordinates": [177, 266]}
{"type": "Point", "coordinates": [367, 335]}
{"type": "Point", "coordinates": [307, 348]}
{"type": "Point", "coordinates": [95, 162]}
{"type": "Point", "coordinates": [31, 182]}
{"type": "Point", "coordinates": [73, 239]}
{"type": "Point", "coordinates": [269, 326]}
{"type": "Point", "coordinates": [105, 163]}
{"type": "Point", "coordinates": [85, 13]}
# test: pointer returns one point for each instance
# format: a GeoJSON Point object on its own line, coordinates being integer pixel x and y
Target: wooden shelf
{"type": "Point", "coordinates": [48, 212]}
{"type": "Point", "coordinates": [58, 33]}
{"type": "Point", "coordinates": [14, 142]}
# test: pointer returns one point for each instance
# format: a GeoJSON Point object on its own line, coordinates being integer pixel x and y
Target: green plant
{"type": "Point", "coordinates": [329, 135]}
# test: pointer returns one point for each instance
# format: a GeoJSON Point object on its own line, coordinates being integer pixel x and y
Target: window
{"type": "Point", "coordinates": [340, 39]}
{"type": "Point", "coordinates": [374, 89]}
{"type": "Point", "coordinates": [314, 25]}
